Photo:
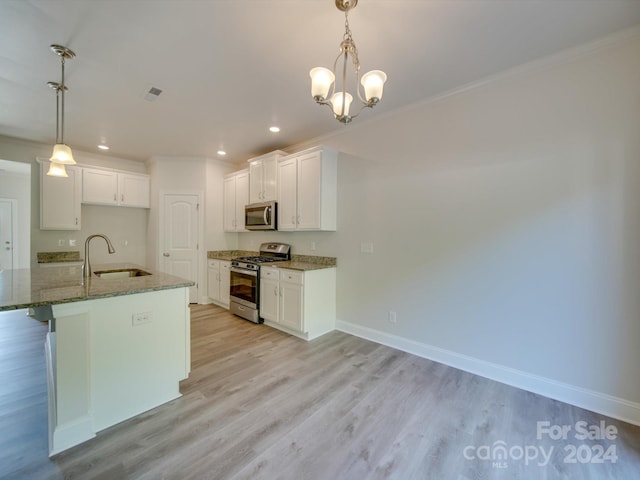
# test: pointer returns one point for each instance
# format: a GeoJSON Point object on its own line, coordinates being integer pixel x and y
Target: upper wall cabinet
{"type": "Point", "coordinates": [307, 190]}
{"type": "Point", "coordinates": [60, 199]}
{"type": "Point", "coordinates": [263, 177]}
{"type": "Point", "coordinates": [236, 196]}
{"type": "Point", "coordinates": [107, 187]}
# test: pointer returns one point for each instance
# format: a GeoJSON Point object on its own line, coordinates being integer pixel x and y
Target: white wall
{"type": "Point", "coordinates": [506, 229]}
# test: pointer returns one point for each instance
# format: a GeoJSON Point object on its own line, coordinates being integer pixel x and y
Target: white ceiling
{"type": "Point", "coordinates": [229, 69]}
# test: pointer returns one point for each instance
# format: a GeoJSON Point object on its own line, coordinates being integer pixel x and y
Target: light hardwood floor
{"type": "Point", "coordinates": [260, 404]}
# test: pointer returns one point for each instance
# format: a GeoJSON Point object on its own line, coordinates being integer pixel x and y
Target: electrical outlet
{"type": "Point", "coordinates": [312, 246]}
{"type": "Point", "coordinates": [141, 318]}
{"type": "Point", "coordinates": [72, 242]}
{"type": "Point", "coordinates": [61, 242]}
{"type": "Point", "coordinates": [392, 317]}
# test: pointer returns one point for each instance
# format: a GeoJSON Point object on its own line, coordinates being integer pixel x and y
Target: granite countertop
{"type": "Point", "coordinates": [36, 287]}
{"type": "Point", "coordinates": [59, 257]}
{"type": "Point", "coordinates": [297, 262]}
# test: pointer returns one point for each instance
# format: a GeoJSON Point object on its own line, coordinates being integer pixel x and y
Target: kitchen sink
{"type": "Point", "coordinates": [121, 273]}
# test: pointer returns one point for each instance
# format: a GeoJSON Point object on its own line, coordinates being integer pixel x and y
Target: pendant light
{"type": "Point", "coordinates": [62, 154]}
{"type": "Point", "coordinates": [323, 79]}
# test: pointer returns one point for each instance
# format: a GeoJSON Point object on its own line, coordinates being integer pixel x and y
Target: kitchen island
{"type": "Point", "coordinates": [116, 347]}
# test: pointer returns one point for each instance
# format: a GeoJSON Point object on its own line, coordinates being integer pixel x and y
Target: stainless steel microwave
{"type": "Point", "coordinates": [261, 216]}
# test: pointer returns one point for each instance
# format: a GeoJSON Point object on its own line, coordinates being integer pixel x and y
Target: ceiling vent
{"type": "Point", "coordinates": [152, 94]}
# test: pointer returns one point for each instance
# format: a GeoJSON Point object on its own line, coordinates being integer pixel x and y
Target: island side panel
{"type": "Point", "coordinates": [115, 358]}
{"type": "Point", "coordinates": [68, 372]}
{"type": "Point", "coordinates": [139, 347]}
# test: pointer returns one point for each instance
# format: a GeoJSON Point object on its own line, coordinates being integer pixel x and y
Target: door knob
{"type": "Point", "coordinates": [166, 254]}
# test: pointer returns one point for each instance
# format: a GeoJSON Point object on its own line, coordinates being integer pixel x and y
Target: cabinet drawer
{"type": "Point", "coordinates": [292, 276]}
{"type": "Point", "coordinates": [213, 263]}
{"type": "Point", "coordinates": [269, 272]}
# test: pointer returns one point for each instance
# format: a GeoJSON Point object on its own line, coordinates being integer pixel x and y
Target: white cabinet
{"type": "Point", "coordinates": [60, 199]}
{"type": "Point", "coordinates": [236, 196]}
{"type": "Point", "coordinates": [107, 187]}
{"type": "Point", "coordinates": [218, 281]}
{"type": "Point", "coordinates": [263, 177]}
{"type": "Point", "coordinates": [300, 303]}
{"type": "Point", "coordinates": [133, 190]}
{"type": "Point", "coordinates": [307, 190]}
{"type": "Point", "coordinates": [269, 293]}
{"type": "Point", "coordinates": [291, 300]}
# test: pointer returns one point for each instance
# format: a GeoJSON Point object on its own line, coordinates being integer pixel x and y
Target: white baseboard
{"type": "Point", "coordinates": [71, 434]}
{"type": "Point", "coordinates": [602, 403]}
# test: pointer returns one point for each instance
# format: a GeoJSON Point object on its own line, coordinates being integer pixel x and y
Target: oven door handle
{"type": "Point", "coordinates": [251, 273]}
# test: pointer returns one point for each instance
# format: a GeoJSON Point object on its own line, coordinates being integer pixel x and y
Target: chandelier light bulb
{"type": "Point", "coordinates": [321, 81]}
{"type": "Point", "coordinates": [337, 100]}
{"type": "Point", "coordinates": [373, 83]}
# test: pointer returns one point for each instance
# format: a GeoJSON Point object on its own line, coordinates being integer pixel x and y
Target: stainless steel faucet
{"type": "Point", "coordinates": [86, 267]}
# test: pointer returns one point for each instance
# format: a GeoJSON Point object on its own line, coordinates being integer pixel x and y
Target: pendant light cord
{"type": "Point", "coordinates": [62, 115]}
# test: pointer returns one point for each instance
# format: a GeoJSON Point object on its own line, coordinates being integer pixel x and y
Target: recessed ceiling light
{"type": "Point", "coordinates": [222, 153]}
{"type": "Point", "coordinates": [103, 147]}
{"type": "Point", "coordinates": [274, 129]}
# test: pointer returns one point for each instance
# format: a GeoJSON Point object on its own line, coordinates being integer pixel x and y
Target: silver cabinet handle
{"type": "Point", "coordinates": [165, 254]}
{"type": "Point", "coordinates": [275, 290]}
{"type": "Point", "coordinates": [115, 198]}
{"type": "Point", "coordinates": [122, 197]}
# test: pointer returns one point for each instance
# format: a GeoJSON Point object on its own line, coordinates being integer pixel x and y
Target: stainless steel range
{"type": "Point", "coordinates": [245, 279]}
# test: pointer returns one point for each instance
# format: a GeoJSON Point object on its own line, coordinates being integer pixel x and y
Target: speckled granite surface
{"type": "Point", "coordinates": [298, 262]}
{"type": "Point", "coordinates": [27, 288]}
{"type": "Point", "coordinates": [229, 255]}
{"type": "Point", "coordinates": [58, 257]}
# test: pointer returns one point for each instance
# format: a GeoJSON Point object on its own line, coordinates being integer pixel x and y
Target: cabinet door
{"type": "Point", "coordinates": [309, 176]}
{"type": "Point", "coordinates": [256, 190]}
{"type": "Point", "coordinates": [229, 207]}
{"type": "Point", "coordinates": [133, 190]}
{"type": "Point", "coordinates": [60, 199]}
{"type": "Point", "coordinates": [242, 199]}
{"type": "Point", "coordinates": [269, 179]}
{"type": "Point", "coordinates": [99, 187]}
{"type": "Point", "coordinates": [225, 282]}
{"type": "Point", "coordinates": [269, 299]}
{"type": "Point", "coordinates": [213, 281]}
{"type": "Point", "coordinates": [291, 305]}
{"type": "Point", "coordinates": [287, 181]}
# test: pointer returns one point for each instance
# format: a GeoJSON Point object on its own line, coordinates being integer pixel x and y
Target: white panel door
{"type": "Point", "coordinates": [179, 242]}
{"type": "Point", "coordinates": [6, 235]}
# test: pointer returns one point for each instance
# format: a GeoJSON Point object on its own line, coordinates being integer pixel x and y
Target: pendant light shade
{"type": "Point", "coordinates": [62, 154]}
{"type": "Point", "coordinates": [57, 170]}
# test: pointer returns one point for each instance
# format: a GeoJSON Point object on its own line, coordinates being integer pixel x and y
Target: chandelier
{"type": "Point", "coordinates": [61, 152]}
{"type": "Point", "coordinates": [323, 84]}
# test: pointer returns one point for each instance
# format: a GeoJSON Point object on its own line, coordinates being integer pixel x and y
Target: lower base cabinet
{"type": "Point", "coordinates": [300, 303]}
{"type": "Point", "coordinates": [218, 282]}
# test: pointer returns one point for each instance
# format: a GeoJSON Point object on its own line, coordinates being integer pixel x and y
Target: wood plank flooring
{"type": "Point", "coordinates": [260, 404]}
